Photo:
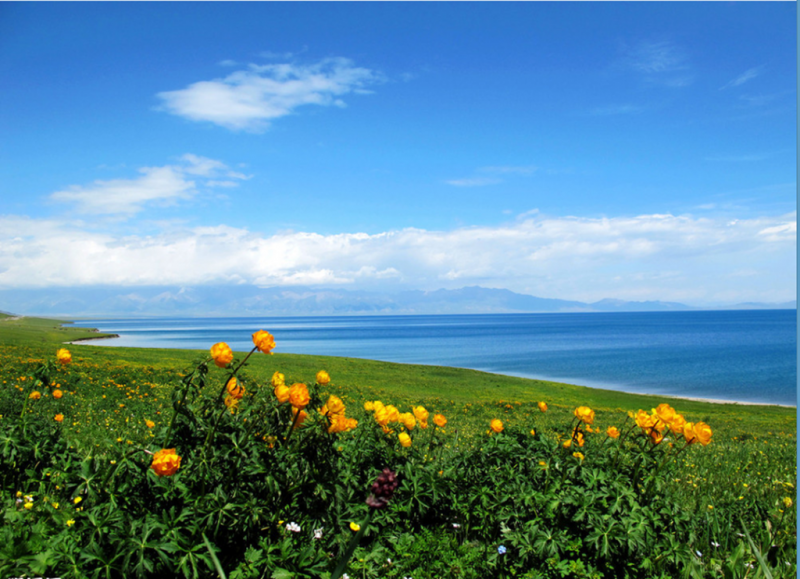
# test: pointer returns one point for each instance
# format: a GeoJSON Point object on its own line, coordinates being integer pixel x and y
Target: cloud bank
{"type": "Point", "coordinates": [643, 257]}
{"type": "Point", "coordinates": [248, 100]}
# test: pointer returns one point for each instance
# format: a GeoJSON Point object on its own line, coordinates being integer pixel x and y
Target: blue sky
{"type": "Point", "coordinates": [576, 150]}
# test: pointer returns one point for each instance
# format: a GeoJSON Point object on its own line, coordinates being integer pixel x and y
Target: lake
{"type": "Point", "coordinates": [745, 355]}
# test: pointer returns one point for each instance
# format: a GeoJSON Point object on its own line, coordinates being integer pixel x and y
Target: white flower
{"type": "Point", "coordinates": [715, 543]}
{"type": "Point", "coordinates": [318, 533]}
{"type": "Point", "coordinates": [456, 526]}
{"type": "Point", "coordinates": [699, 554]}
{"type": "Point", "coordinates": [294, 527]}
{"type": "Point", "coordinates": [345, 576]}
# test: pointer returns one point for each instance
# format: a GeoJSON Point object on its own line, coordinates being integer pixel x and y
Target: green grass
{"type": "Point", "coordinates": [750, 466]}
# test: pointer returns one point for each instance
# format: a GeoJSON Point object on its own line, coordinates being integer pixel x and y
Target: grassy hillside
{"type": "Point", "coordinates": [117, 400]}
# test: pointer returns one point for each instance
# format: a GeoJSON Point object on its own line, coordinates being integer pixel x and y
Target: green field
{"type": "Point", "coordinates": [727, 501]}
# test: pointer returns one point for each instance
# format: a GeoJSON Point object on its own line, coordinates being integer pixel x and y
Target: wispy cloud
{"type": "Point", "coordinates": [488, 175]}
{"type": "Point", "coordinates": [474, 182]}
{"type": "Point", "coordinates": [568, 257]}
{"type": "Point", "coordinates": [747, 75]}
{"type": "Point", "coordinates": [661, 62]}
{"type": "Point", "coordinates": [160, 186]}
{"type": "Point", "coordinates": [613, 110]}
{"type": "Point", "coordinates": [250, 99]}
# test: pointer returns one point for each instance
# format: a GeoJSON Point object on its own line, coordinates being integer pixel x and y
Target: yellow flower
{"type": "Point", "coordinates": [264, 341]}
{"type": "Point", "coordinates": [149, 423]}
{"type": "Point", "coordinates": [496, 425]}
{"type": "Point", "coordinates": [28, 506]}
{"type": "Point", "coordinates": [393, 412]}
{"type": "Point", "coordinates": [665, 413]}
{"type": "Point", "coordinates": [405, 439]}
{"type": "Point", "coordinates": [76, 500]}
{"type": "Point", "coordinates": [35, 395]}
{"type": "Point", "coordinates": [420, 413]}
{"type": "Point", "coordinates": [612, 432]}
{"type": "Point", "coordinates": [369, 406]}
{"type": "Point", "coordinates": [578, 455]}
{"type": "Point", "coordinates": [55, 505]}
{"type": "Point", "coordinates": [677, 424]}
{"type": "Point", "coordinates": [323, 379]}
{"type": "Point", "coordinates": [439, 420]}
{"type": "Point", "coordinates": [533, 432]}
{"type": "Point", "coordinates": [57, 393]}
{"type": "Point", "coordinates": [277, 380]}
{"type": "Point", "coordinates": [63, 356]}
{"type": "Point", "coordinates": [282, 393]}
{"type": "Point", "coordinates": [59, 418]}
{"type": "Point", "coordinates": [298, 395]}
{"type": "Point", "coordinates": [542, 464]}
{"type": "Point", "coordinates": [703, 433]}
{"type": "Point", "coordinates": [166, 462]}
{"type": "Point", "coordinates": [231, 403]}
{"type": "Point", "coordinates": [542, 406]}
{"type": "Point", "coordinates": [222, 354]}
{"type": "Point", "coordinates": [335, 405]}
{"type": "Point", "coordinates": [408, 420]}
{"type": "Point", "coordinates": [567, 443]}
{"type": "Point", "coordinates": [235, 389]}
{"type": "Point", "coordinates": [787, 502]}
{"type": "Point", "coordinates": [355, 527]}
{"type": "Point", "coordinates": [585, 414]}
{"type": "Point", "coordinates": [381, 416]}
{"type": "Point", "coordinates": [70, 522]}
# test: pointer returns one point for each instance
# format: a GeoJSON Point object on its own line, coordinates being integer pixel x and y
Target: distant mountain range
{"type": "Point", "coordinates": [246, 300]}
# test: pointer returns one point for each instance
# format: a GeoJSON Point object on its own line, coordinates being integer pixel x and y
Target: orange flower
{"type": "Point", "coordinates": [166, 462]}
{"type": "Point", "coordinates": [63, 356]}
{"type": "Point", "coordinates": [264, 341]}
{"type": "Point", "coordinates": [57, 393]}
{"type": "Point", "coordinates": [613, 432]}
{"type": "Point", "coordinates": [439, 420]}
{"type": "Point", "coordinates": [323, 379]}
{"type": "Point", "coordinates": [496, 425]}
{"type": "Point", "coordinates": [644, 420]}
{"type": "Point", "coordinates": [222, 354]}
{"type": "Point", "coordinates": [405, 439]}
{"type": "Point", "coordinates": [59, 418]}
{"type": "Point", "coordinates": [235, 389]}
{"type": "Point", "coordinates": [578, 455]}
{"type": "Point", "coordinates": [542, 406]}
{"type": "Point", "coordinates": [298, 395]}
{"type": "Point", "coordinates": [282, 393]}
{"type": "Point", "coordinates": [369, 406]}
{"type": "Point", "coordinates": [339, 423]}
{"type": "Point", "coordinates": [585, 414]}
{"type": "Point", "coordinates": [567, 443]}
{"type": "Point", "coordinates": [677, 424]}
{"type": "Point", "coordinates": [381, 416]}
{"type": "Point", "coordinates": [35, 395]}
{"type": "Point", "coordinates": [301, 418]}
{"type": "Point", "coordinates": [656, 436]}
{"type": "Point", "coordinates": [277, 380]}
{"type": "Point", "coordinates": [579, 439]}
{"type": "Point", "coordinates": [335, 405]}
{"type": "Point", "coordinates": [149, 423]}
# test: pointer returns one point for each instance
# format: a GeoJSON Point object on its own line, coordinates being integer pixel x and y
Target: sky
{"type": "Point", "coordinates": [639, 151]}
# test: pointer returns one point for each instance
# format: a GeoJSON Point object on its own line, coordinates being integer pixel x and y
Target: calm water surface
{"type": "Point", "coordinates": [748, 356]}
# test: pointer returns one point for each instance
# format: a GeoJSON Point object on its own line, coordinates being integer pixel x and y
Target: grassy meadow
{"type": "Point", "coordinates": [264, 491]}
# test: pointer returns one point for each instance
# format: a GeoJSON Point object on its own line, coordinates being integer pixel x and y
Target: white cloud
{"type": "Point", "coordinates": [744, 77]}
{"type": "Point", "coordinates": [663, 63]}
{"type": "Point", "coordinates": [644, 257]}
{"type": "Point", "coordinates": [249, 99]}
{"type": "Point", "coordinates": [474, 182]}
{"type": "Point", "coordinates": [160, 186]}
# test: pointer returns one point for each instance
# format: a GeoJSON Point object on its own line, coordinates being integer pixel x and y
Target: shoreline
{"type": "Point", "coordinates": [594, 387]}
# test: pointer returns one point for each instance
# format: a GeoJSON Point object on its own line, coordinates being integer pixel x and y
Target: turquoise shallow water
{"type": "Point", "coordinates": [747, 356]}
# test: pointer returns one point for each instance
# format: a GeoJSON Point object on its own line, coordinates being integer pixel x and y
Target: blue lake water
{"type": "Point", "coordinates": [747, 356]}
